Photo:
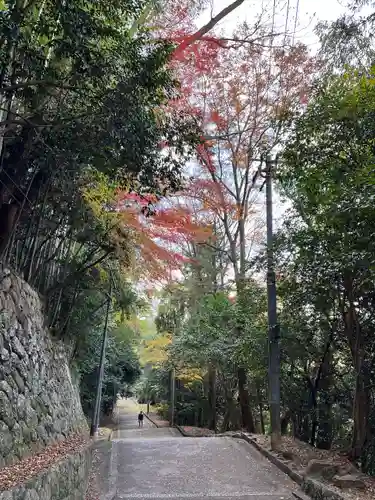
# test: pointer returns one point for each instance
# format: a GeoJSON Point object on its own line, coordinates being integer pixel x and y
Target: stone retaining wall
{"type": "Point", "coordinates": [39, 402]}
{"type": "Point", "coordinates": [65, 480]}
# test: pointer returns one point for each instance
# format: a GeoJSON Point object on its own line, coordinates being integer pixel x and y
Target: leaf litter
{"type": "Point", "coordinates": [299, 455]}
{"type": "Point", "coordinates": [20, 472]}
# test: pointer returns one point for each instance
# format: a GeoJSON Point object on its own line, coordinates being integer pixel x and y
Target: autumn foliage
{"type": "Point", "coordinates": [159, 229]}
{"type": "Point", "coordinates": [241, 93]}
{"type": "Point", "coordinates": [244, 97]}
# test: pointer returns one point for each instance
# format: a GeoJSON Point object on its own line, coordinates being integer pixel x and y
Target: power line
{"type": "Point", "coordinates": [286, 21]}
{"type": "Point", "coordinates": [295, 22]}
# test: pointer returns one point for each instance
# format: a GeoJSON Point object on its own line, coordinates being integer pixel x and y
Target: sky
{"type": "Point", "coordinates": [309, 12]}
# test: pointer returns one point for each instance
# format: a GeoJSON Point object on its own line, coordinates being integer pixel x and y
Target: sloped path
{"type": "Point", "coordinates": [159, 463]}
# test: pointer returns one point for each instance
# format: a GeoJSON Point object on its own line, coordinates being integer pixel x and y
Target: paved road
{"type": "Point", "coordinates": [159, 463]}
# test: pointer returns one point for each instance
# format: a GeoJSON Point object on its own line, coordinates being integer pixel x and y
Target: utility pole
{"type": "Point", "coordinates": [98, 398]}
{"type": "Point", "coordinates": [273, 327]}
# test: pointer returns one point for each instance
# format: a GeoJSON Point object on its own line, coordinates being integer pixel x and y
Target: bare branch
{"type": "Point", "coordinates": [208, 27]}
{"type": "Point", "coordinates": [36, 83]}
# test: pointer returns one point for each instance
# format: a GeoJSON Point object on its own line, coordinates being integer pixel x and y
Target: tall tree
{"type": "Point", "coordinates": [327, 174]}
{"type": "Point", "coordinates": [349, 39]}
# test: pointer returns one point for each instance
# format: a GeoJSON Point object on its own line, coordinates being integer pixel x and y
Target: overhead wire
{"type": "Point", "coordinates": [271, 45]}
{"type": "Point", "coordinates": [295, 21]}
{"type": "Point", "coordinates": [286, 21]}
{"type": "Point", "coordinates": [288, 8]}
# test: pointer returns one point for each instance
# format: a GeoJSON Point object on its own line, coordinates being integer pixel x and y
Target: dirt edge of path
{"type": "Point", "coordinates": [316, 489]}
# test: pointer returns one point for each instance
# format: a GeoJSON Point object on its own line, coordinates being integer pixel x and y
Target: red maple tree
{"type": "Point", "coordinates": [237, 89]}
{"type": "Point", "coordinates": [161, 227]}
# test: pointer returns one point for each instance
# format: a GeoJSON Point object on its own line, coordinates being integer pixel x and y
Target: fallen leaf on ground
{"type": "Point", "coordinates": [22, 471]}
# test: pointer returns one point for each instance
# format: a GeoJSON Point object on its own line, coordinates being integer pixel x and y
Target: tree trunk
{"type": "Point", "coordinates": [285, 422]}
{"type": "Point", "coordinates": [225, 424]}
{"type": "Point", "coordinates": [314, 427]}
{"type": "Point", "coordinates": [361, 411]}
{"type": "Point", "coordinates": [305, 429]}
{"type": "Point", "coordinates": [325, 431]}
{"type": "Point", "coordinates": [212, 397]}
{"type": "Point", "coordinates": [301, 428]}
{"type": "Point", "coordinates": [230, 410]}
{"type": "Point", "coordinates": [8, 215]}
{"type": "Point", "coordinates": [361, 403]}
{"type": "Point", "coordinates": [311, 419]}
{"type": "Point", "coordinates": [33, 247]}
{"type": "Point", "coordinates": [246, 413]}
{"type": "Point", "coordinates": [295, 425]}
{"type": "Point", "coordinates": [260, 404]}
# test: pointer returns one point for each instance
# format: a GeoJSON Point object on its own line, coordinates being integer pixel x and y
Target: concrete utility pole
{"type": "Point", "coordinates": [273, 327]}
{"type": "Point", "coordinates": [98, 398]}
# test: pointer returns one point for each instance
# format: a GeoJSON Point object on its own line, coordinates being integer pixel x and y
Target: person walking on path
{"type": "Point", "coordinates": [140, 419]}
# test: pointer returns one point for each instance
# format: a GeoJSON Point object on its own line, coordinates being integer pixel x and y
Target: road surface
{"type": "Point", "coordinates": [159, 463]}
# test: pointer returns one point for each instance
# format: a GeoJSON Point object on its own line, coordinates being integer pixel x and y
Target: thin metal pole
{"type": "Point", "coordinates": [273, 327]}
{"type": "Point", "coordinates": [98, 398]}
